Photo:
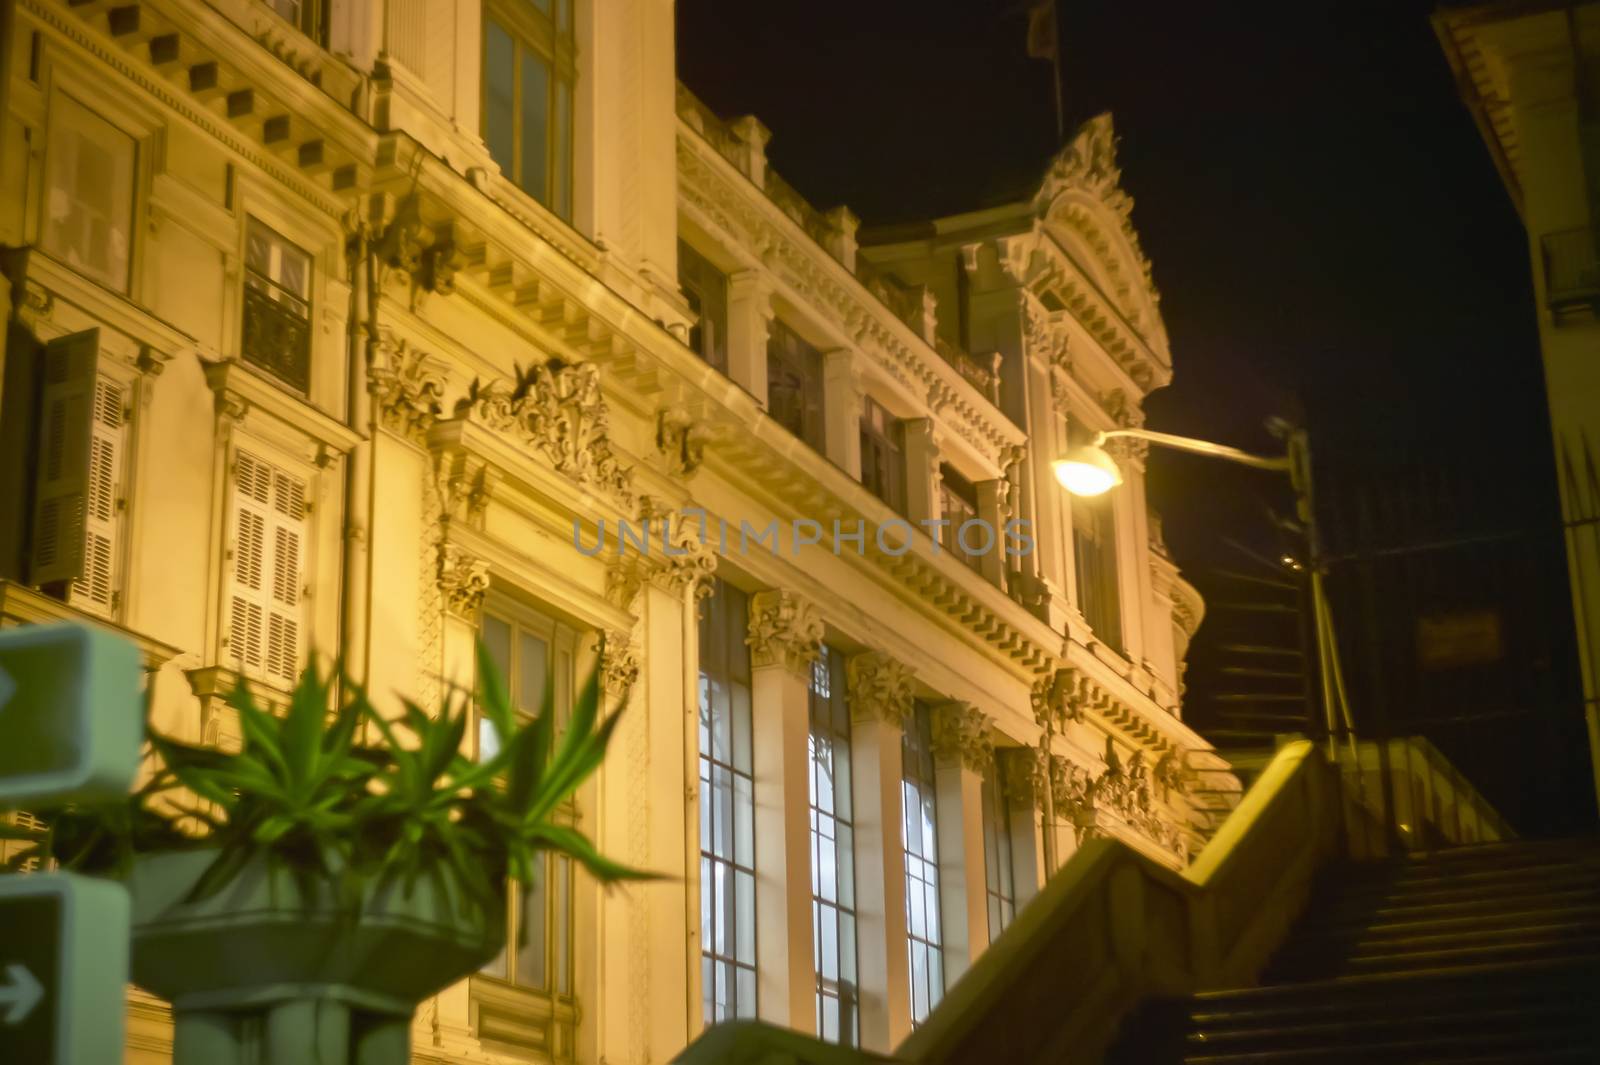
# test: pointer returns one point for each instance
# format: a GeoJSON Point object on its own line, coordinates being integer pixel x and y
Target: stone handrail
{"type": "Point", "coordinates": [1426, 804]}
{"type": "Point", "coordinates": [756, 1043]}
{"type": "Point", "coordinates": [1113, 927]}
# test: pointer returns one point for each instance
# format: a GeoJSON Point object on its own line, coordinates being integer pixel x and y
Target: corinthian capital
{"type": "Point", "coordinates": [961, 733]}
{"type": "Point", "coordinates": [784, 631]}
{"type": "Point", "coordinates": [880, 688]}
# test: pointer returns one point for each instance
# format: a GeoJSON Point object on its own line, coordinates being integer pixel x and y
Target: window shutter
{"type": "Point", "coordinates": [66, 432]}
{"type": "Point", "coordinates": [288, 563]}
{"type": "Point", "coordinates": [247, 606]}
{"type": "Point", "coordinates": [96, 589]}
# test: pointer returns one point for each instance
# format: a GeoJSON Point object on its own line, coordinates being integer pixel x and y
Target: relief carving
{"type": "Point", "coordinates": [784, 631]}
{"type": "Point", "coordinates": [881, 688]}
{"type": "Point", "coordinates": [463, 581]}
{"type": "Point", "coordinates": [961, 733]}
{"type": "Point", "coordinates": [407, 388]}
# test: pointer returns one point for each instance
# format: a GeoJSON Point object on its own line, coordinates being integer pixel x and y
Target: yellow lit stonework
{"type": "Point", "coordinates": [383, 312]}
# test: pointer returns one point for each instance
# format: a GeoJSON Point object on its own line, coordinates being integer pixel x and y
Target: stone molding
{"type": "Point", "coordinates": [463, 581]}
{"type": "Point", "coordinates": [619, 663]}
{"type": "Point", "coordinates": [681, 441]}
{"type": "Point", "coordinates": [881, 688]}
{"type": "Point", "coordinates": [558, 408]}
{"type": "Point", "coordinates": [785, 630]}
{"type": "Point", "coordinates": [962, 733]}
{"type": "Point", "coordinates": [407, 387]}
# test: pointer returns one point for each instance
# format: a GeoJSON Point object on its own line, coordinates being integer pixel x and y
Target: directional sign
{"type": "Point", "coordinates": [63, 967]}
{"type": "Point", "coordinates": [71, 714]}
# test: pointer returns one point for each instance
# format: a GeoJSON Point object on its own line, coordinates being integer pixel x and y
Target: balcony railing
{"type": "Point", "coordinates": [1571, 270]}
{"type": "Point", "coordinates": [276, 338]}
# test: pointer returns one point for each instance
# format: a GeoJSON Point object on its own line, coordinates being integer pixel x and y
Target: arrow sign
{"type": "Point", "coordinates": [20, 993]}
{"type": "Point", "coordinates": [64, 960]}
{"type": "Point", "coordinates": [71, 714]}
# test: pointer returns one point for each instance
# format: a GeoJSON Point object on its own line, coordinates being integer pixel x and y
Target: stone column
{"type": "Point", "coordinates": [841, 410]}
{"type": "Point", "coordinates": [785, 640]}
{"type": "Point", "coordinates": [749, 316]}
{"type": "Point", "coordinates": [963, 748]}
{"type": "Point", "coordinates": [1022, 785]}
{"type": "Point", "coordinates": [880, 702]}
{"type": "Point", "coordinates": [922, 472]}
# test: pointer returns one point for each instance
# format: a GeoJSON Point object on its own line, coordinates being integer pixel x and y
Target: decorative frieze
{"type": "Point", "coordinates": [558, 408]}
{"type": "Point", "coordinates": [961, 733]}
{"type": "Point", "coordinates": [407, 388]}
{"type": "Point", "coordinates": [463, 581]}
{"type": "Point", "coordinates": [881, 688]}
{"type": "Point", "coordinates": [785, 630]}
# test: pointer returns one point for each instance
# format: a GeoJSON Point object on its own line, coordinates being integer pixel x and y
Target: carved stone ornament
{"type": "Point", "coordinates": [962, 733]}
{"type": "Point", "coordinates": [1171, 775]}
{"type": "Point", "coordinates": [465, 483]}
{"type": "Point", "coordinates": [1059, 696]}
{"type": "Point", "coordinates": [407, 388]}
{"type": "Point", "coordinates": [1022, 776]}
{"type": "Point", "coordinates": [1075, 794]}
{"type": "Point", "coordinates": [681, 441]}
{"type": "Point", "coordinates": [619, 663]}
{"type": "Point", "coordinates": [784, 631]}
{"type": "Point", "coordinates": [463, 581]}
{"type": "Point", "coordinates": [881, 688]}
{"type": "Point", "coordinates": [558, 408]}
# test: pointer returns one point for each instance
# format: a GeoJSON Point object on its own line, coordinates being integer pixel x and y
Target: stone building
{"type": "Point", "coordinates": [1526, 72]}
{"type": "Point", "coordinates": [372, 330]}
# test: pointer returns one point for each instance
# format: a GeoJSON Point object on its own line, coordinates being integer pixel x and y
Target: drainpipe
{"type": "Point", "coordinates": [355, 597]}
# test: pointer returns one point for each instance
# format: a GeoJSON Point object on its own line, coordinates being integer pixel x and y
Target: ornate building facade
{"type": "Point", "coordinates": [375, 329]}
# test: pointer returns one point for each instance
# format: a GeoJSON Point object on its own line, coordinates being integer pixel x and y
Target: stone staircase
{"type": "Point", "coordinates": [1480, 954]}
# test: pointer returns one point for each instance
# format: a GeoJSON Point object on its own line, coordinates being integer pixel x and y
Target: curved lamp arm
{"type": "Point", "coordinates": [1200, 447]}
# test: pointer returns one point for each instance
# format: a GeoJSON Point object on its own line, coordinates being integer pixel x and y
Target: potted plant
{"type": "Point", "coordinates": [295, 899]}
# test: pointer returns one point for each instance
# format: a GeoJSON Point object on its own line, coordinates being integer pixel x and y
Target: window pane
{"type": "Point", "coordinates": [531, 944]}
{"type": "Point", "coordinates": [561, 201]}
{"type": "Point", "coordinates": [499, 114]}
{"type": "Point", "coordinates": [533, 661]}
{"type": "Point", "coordinates": [535, 123]}
{"type": "Point", "coordinates": [89, 181]}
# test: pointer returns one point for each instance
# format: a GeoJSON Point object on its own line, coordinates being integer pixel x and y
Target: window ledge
{"type": "Point", "coordinates": [21, 605]}
{"type": "Point", "coordinates": [241, 388]}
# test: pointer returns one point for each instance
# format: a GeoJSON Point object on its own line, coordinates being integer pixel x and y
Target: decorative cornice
{"type": "Point", "coordinates": [961, 733]}
{"type": "Point", "coordinates": [557, 407]}
{"type": "Point", "coordinates": [785, 630]}
{"type": "Point", "coordinates": [407, 388]}
{"type": "Point", "coordinates": [463, 581]}
{"type": "Point", "coordinates": [881, 688]}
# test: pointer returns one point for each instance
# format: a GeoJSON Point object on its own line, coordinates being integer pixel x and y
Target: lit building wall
{"type": "Point", "coordinates": [385, 315]}
{"type": "Point", "coordinates": [1528, 75]}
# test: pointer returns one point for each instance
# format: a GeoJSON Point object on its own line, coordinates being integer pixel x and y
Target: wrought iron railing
{"type": "Point", "coordinates": [277, 339]}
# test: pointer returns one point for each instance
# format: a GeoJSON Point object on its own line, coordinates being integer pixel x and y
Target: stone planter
{"type": "Point", "coordinates": [260, 975]}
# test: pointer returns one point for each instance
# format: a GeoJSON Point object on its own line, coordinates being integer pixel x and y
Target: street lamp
{"type": "Point", "coordinates": [1091, 471]}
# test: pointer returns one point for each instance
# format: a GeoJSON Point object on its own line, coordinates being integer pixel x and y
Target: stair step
{"type": "Point", "coordinates": [1442, 1047]}
{"type": "Point", "coordinates": [1477, 904]}
{"type": "Point", "coordinates": [1424, 923]}
{"type": "Point", "coordinates": [1437, 958]}
{"type": "Point", "coordinates": [1462, 931]}
{"type": "Point", "coordinates": [1454, 890]}
{"type": "Point", "coordinates": [1385, 986]}
{"type": "Point", "coordinates": [1489, 1023]}
{"type": "Point", "coordinates": [1422, 997]}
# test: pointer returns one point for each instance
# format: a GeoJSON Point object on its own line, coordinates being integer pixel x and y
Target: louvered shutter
{"type": "Point", "coordinates": [96, 589]}
{"type": "Point", "coordinates": [284, 620]}
{"type": "Point", "coordinates": [247, 597]}
{"type": "Point", "coordinates": [71, 370]}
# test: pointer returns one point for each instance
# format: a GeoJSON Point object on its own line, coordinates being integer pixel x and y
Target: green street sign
{"type": "Point", "coordinates": [71, 714]}
{"type": "Point", "coordinates": [63, 969]}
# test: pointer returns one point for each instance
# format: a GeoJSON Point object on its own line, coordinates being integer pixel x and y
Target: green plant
{"type": "Point", "coordinates": [303, 793]}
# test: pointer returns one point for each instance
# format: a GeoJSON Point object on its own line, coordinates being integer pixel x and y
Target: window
{"type": "Point", "coordinates": [270, 531]}
{"type": "Point", "coordinates": [958, 504]}
{"type": "Point", "coordinates": [706, 289]}
{"type": "Point", "coordinates": [883, 458]}
{"type": "Point", "coordinates": [277, 307]}
{"type": "Point", "coordinates": [307, 16]}
{"type": "Point", "coordinates": [794, 384]}
{"type": "Point", "coordinates": [999, 872]}
{"type": "Point", "coordinates": [1094, 553]}
{"type": "Point", "coordinates": [78, 509]}
{"type": "Point", "coordinates": [727, 810]}
{"type": "Point", "coordinates": [534, 652]}
{"type": "Point", "coordinates": [88, 201]}
{"type": "Point", "coordinates": [529, 66]}
{"type": "Point", "coordinates": [833, 880]}
{"type": "Point", "coordinates": [920, 834]}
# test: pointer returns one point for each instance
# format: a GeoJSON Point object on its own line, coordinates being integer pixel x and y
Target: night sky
{"type": "Point", "coordinates": [1328, 233]}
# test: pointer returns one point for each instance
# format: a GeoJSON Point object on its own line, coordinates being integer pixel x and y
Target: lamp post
{"type": "Point", "coordinates": [1091, 471]}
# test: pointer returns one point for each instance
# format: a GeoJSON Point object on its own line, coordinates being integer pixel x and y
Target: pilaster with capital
{"type": "Point", "coordinates": [963, 747]}
{"type": "Point", "coordinates": [749, 318]}
{"type": "Point", "coordinates": [785, 630]}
